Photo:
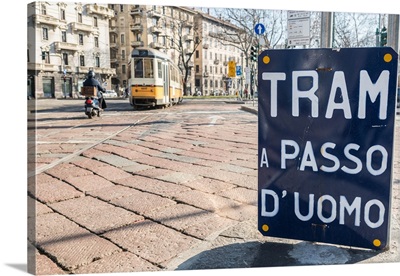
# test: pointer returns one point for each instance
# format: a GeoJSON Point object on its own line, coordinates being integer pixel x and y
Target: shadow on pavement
{"type": "Point", "coordinates": [272, 254]}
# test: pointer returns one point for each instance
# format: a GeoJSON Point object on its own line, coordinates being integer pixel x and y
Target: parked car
{"type": "Point", "coordinates": [110, 94]}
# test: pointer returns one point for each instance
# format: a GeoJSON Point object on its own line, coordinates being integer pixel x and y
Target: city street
{"type": "Point", "coordinates": [159, 189]}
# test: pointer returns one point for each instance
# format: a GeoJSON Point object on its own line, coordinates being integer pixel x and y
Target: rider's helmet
{"type": "Point", "coordinates": [91, 74]}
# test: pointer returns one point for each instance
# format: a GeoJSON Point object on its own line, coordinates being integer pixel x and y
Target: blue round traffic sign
{"type": "Point", "coordinates": [259, 29]}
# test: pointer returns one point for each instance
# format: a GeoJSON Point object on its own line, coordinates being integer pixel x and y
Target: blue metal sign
{"type": "Point", "coordinates": [326, 133]}
{"type": "Point", "coordinates": [259, 28]}
{"type": "Point", "coordinates": [238, 70]}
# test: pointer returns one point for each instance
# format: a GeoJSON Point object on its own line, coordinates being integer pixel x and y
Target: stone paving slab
{"type": "Point", "coordinates": [112, 192]}
{"type": "Point", "coordinates": [88, 182]}
{"type": "Point", "coordinates": [180, 216]}
{"type": "Point", "coordinates": [67, 170]}
{"type": "Point", "coordinates": [118, 263]}
{"type": "Point", "coordinates": [95, 215]}
{"type": "Point", "coordinates": [142, 203]}
{"type": "Point", "coordinates": [72, 245]}
{"type": "Point", "coordinates": [111, 173]}
{"type": "Point", "coordinates": [154, 186]}
{"type": "Point", "coordinates": [208, 185]}
{"type": "Point", "coordinates": [143, 239]}
{"type": "Point", "coordinates": [204, 200]}
{"type": "Point", "coordinates": [243, 195]}
{"type": "Point", "coordinates": [53, 191]}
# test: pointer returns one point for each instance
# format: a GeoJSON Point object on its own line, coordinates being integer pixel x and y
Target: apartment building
{"type": "Point", "coordinates": [213, 55]}
{"type": "Point", "coordinates": [187, 36]}
{"type": "Point", "coordinates": [65, 41]}
{"type": "Point", "coordinates": [168, 29]}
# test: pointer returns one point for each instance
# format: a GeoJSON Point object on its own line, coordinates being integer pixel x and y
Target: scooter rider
{"type": "Point", "coordinates": [91, 81]}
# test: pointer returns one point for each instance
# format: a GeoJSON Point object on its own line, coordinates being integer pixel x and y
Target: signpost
{"type": "Point", "coordinates": [231, 69]}
{"type": "Point", "coordinates": [326, 127]}
{"type": "Point", "coordinates": [298, 28]}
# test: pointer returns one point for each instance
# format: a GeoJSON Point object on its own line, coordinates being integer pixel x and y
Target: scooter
{"type": "Point", "coordinates": [92, 107]}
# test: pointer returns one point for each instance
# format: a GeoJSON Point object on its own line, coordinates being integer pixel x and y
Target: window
{"type": "Point", "coordinates": [97, 61]}
{"type": "Point", "coordinates": [121, 8]}
{"type": "Point", "coordinates": [197, 53]}
{"type": "Point", "coordinates": [113, 38]}
{"type": "Point", "coordinates": [44, 11]}
{"type": "Point", "coordinates": [159, 67]}
{"type": "Point", "coordinates": [82, 60]}
{"type": "Point", "coordinates": [65, 58]}
{"type": "Point", "coordinates": [123, 67]}
{"type": "Point", "coordinates": [123, 54]}
{"type": "Point", "coordinates": [64, 36]}
{"type": "Point", "coordinates": [80, 17]}
{"type": "Point", "coordinates": [47, 57]}
{"type": "Point", "coordinates": [197, 69]}
{"type": "Point", "coordinates": [80, 39]}
{"type": "Point", "coordinates": [143, 68]}
{"type": "Point", "coordinates": [62, 14]}
{"type": "Point", "coordinates": [122, 39]}
{"type": "Point", "coordinates": [95, 22]}
{"type": "Point", "coordinates": [96, 41]}
{"type": "Point", "coordinates": [45, 33]}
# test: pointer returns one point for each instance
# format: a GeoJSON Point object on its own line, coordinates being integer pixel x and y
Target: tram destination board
{"type": "Point", "coordinates": [325, 144]}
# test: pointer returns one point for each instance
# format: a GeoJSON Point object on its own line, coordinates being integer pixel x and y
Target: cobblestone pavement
{"type": "Point", "coordinates": [172, 189]}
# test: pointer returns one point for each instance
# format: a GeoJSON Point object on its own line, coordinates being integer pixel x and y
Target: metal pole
{"type": "Point", "coordinates": [393, 32]}
{"type": "Point", "coordinates": [326, 29]}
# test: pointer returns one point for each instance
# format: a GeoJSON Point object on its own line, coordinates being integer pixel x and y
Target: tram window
{"type": "Point", "coordinates": [148, 68]}
{"type": "Point", "coordinates": [159, 69]}
{"type": "Point", "coordinates": [139, 68]}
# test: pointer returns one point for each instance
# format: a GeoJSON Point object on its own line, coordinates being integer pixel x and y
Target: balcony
{"type": "Point", "coordinates": [76, 26]}
{"type": "Point", "coordinates": [105, 71]}
{"type": "Point", "coordinates": [136, 27]}
{"type": "Point", "coordinates": [100, 10]}
{"type": "Point", "coordinates": [155, 13]}
{"type": "Point", "coordinates": [113, 29]}
{"type": "Point", "coordinates": [46, 19]}
{"type": "Point", "coordinates": [65, 46]}
{"type": "Point", "coordinates": [136, 12]}
{"type": "Point", "coordinates": [137, 43]}
{"type": "Point", "coordinates": [188, 24]}
{"type": "Point", "coordinates": [226, 63]}
{"type": "Point", "coordinates": [156, 29]}
{"type": "Point", "coordinates": [205, 74]}
{"type": "Point", "coordinates": [188, 37]}
{"type": "Point", "coordinates": [83, 69]}
{"type": "Point", "coordinates": [156, 45]}
{"type": "Point", "coordinates": [205, 46]}
{"type": "Point", "coordinates": [216, 62]}
{"type": "Point", "coordinates": [45, 67]}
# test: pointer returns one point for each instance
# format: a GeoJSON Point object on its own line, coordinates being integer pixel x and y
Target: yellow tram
{"type": "Point", "coordinates": [154, 80]}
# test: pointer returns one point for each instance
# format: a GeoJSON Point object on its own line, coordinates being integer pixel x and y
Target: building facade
{"type": "Point", "coordinates": [213, 56]}
{"type": "Point", "coordinates": [65, 41]}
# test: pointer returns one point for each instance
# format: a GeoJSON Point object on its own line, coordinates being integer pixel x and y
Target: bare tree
{"type": "Point", "coordinates": [354, 30]}
{"type": "Point", "coordinates": [182, 42]}
{"type": "Point", "coordinates": [241, 33]}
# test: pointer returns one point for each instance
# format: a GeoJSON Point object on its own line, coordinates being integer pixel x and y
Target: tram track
{"type": "Point", "coordinates": [78, 152]}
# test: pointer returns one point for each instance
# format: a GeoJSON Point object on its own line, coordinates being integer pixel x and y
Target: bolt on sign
{"type": "Point", "coordinates": [326, 134]}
